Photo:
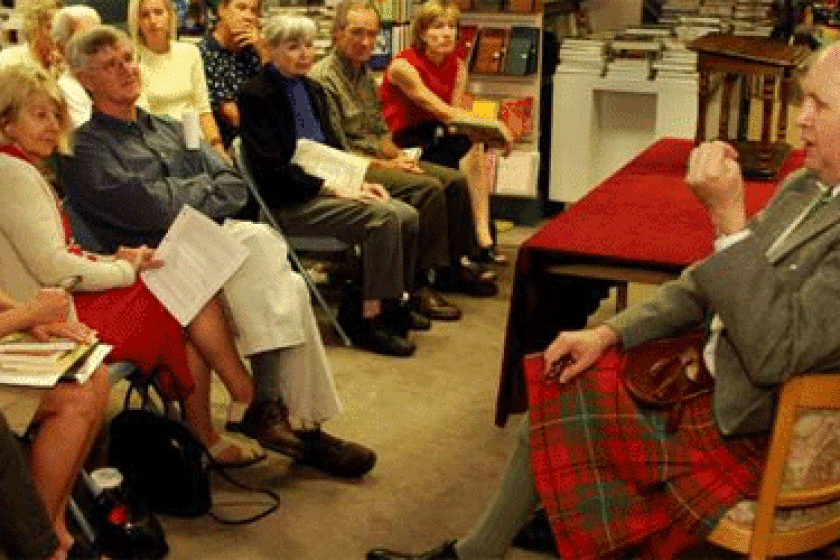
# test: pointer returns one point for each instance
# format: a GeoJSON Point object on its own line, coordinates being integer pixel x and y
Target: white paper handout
{"type": "Point", "coordinates": [199, 256]}
{"type": "Point", "coordinates": [336, 167]}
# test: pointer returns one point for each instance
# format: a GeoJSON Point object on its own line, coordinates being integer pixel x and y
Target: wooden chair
{"type": "Point", "coordinates": [815, 394]}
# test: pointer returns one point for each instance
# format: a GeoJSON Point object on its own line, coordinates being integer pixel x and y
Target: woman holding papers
{"type": "Point", "coordinates": [65, 422]}
{"type": "Point", "coordinates": [35, 252]}
{"type": "Point", "coordinates": [422, 89]}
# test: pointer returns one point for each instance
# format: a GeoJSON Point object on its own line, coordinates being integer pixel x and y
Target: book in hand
{"type": "Point", "coordinates": [26, 362]}
{"type": "Point", "coordinates": [480, 130]}
{"type": "Point", "coordinates": [336, 167]}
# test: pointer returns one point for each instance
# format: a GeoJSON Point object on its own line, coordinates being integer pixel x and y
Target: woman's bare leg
{"type": "Point", "coordinates": [197, 404]}
{"type": "Point", "coordinates": [211, 334]}
{"type": "Point", "coordinates": [472, 166]}
{"type": "Point", "coordinates": [70, 417]}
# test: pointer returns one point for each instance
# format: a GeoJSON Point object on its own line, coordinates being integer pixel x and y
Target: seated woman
{"type": "Point", "coordinates": [35, 252]}
{"type": "Point", "coordinates": [39, 50]}
{"type": "Point", "coordinates": [171, 72]}
{"type": "Point", "coordinates": [65, 422]}
{"type": "Point", "coordinates": [422, 89]}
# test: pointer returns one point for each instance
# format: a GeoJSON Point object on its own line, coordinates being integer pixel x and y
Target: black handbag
{"type": "Point", "coordinates": [164, 464]}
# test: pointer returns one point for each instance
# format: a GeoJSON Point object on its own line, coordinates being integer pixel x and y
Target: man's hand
{"type": "Point", "coordinates": [573, 352]}
{"type": "Point", "coordinates": [64, 329]}
{"type": "Point", "coordinates": [374, 191]}
{"type": "Point", "coordinates": [398, 163]}
{"type": "Point", "coordinates": [48, 305]}
{"type": "Point", "coordinates": [714, 176]}
{"type": "Point", "coordinates": [141, 258]}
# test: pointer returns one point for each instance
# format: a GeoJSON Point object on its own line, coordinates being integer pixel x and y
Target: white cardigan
{"type": "Point", "coordinates": [32, 248]}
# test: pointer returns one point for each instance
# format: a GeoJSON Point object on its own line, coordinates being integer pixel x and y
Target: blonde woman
{"type": "Point", "coordinates": [422, 89]}
{"type": "Point", "coordinates": [39, 49]}
{"type": "Point", "coordinates": [171, 72]}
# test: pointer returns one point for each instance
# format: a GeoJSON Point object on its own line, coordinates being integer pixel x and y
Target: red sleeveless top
{"type": "Point", "coordinates": [398, 110]}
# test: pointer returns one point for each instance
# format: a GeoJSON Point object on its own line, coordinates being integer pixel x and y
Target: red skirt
{"type": "Point", "coordinates": [141, 331]}
{"type": "Point", "coordinates": [610, 477]}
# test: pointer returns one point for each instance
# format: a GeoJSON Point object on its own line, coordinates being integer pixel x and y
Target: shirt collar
{"type": "Point", "coordinates": [349, 69]}
{"type": "Point", "coordinates": [823, 187]}
{"type": "Point", "coordinates": [143, 120]}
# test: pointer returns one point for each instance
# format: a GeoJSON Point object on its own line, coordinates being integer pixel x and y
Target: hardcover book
{"type": "Point", "coordinates": [490, 52]}
{"type": "Point", "coordinates": [517, 114]}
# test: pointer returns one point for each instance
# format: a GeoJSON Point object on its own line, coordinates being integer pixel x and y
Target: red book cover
{"type": "Point", "coordinates": [517, 114]}
{"type": "Point", "coordinates": [466, 42]}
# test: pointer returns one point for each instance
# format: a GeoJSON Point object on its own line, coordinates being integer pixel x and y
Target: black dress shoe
{"type": "Point", "coordinates": [417, 322]}
{"type": "Point", "coordinates": [446, 551]}
{"type": "Point", "coordinates": [334, 456]}
{"type": "Point", "coordinates": [268, 423]}
{"type": "Point", "coordinates": [378, 338]}
{"type": "Point", "coordinates": [430, 304]}
{"type": "Point", "coordinates": [536, 535]}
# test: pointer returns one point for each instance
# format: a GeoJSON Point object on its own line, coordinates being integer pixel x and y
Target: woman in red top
{"type": "Point", "coordinates": [35, 251]}
{"type": "Point", "coordinates": [424, 88]}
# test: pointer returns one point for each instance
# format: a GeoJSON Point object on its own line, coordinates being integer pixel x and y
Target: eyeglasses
{"type": "Point", "coordinates": [116, 63]}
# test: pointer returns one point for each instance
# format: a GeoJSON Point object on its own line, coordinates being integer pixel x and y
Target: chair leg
{"type": "Point", "coordinates": [321, 301]}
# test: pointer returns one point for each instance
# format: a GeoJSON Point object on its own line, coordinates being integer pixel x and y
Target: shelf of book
{"type": "Point", "coordinates": [504, 53]}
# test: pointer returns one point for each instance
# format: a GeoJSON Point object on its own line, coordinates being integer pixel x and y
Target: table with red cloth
{"type": "Point", "coordinates": [640, 222]}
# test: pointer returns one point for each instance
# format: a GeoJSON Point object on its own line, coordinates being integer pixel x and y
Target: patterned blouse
{"type": "Point", "coordinates": [226, 74]}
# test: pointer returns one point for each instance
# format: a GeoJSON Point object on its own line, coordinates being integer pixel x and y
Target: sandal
{"type": "Point", "coordinates": [248, 453]}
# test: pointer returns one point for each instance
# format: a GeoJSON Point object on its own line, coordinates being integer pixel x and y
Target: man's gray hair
{"type": "Point", "coordinates": [85, 45]}
{"type": "Point", "coordinates": [282, 28]}
{"type": "Point", "coordinates": [64, 21]}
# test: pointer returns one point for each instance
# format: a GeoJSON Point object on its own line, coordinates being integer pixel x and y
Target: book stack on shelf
{"type": "Point", "coordinates": [673, 10]}
{"type": "Point", "coordinates": [509, 6]}
{"type": "Point", "coordinates": [676, 65]}
{"type": "Point", "coordinates": [584, 56]}
{"type": "Point", "coordinates": [631, 57]}
{"type": "Point", "coordinates": [717, 8]}
{"type": "Point", "coordinates": [753, 18]}
{"type": "Point", "coordinates": [693, 27]}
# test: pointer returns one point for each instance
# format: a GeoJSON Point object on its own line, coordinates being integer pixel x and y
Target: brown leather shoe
{"type": "Point", "coordinates": [268, 423]}
{"type": "Point", "coordinates": [432, 305]}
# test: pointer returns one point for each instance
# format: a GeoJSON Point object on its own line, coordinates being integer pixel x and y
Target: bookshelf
{"type": "Point", "coordinates": [517, 175]}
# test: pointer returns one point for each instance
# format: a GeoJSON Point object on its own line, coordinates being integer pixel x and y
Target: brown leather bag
{"type": "Point", "coordinates": [668, 372]}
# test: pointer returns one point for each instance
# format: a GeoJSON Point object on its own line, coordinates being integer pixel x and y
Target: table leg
{"type": "Point", "coordinates": [725, 106]}
{"type": "Point", "coordinates": [702, 106]}
{"type": "Point", "coordinates": [764, 154]}
{"type": "Point", "coordinates": [784, 92]}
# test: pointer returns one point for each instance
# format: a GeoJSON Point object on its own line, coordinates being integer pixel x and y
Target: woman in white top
{"type": "Point", "coordinates": [171, 72]}
{"type": "Point", "coordinates": [39, 49]}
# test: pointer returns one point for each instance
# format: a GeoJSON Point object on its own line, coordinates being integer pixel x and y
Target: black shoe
{"type": "Point", "coordinates": [489, 255]}
{"type": "Point", "coordinates": [429, 303]}
{"type": "Point", "coordinates": [417, 322]}
{"type": "Point", "coordinates": [268, 423]}
{"type": "Point", "coordinates": [536, 535]}
{"type": "Point", "coordinates": [446, 551]}
{"type": "Point", "coordinates": [381, 339]}
{"type": "Point", "coordinates": [335, 456]}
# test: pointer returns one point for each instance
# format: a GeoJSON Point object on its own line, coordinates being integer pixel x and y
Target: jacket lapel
{"type": "Point", "coordinates": [828, 216]}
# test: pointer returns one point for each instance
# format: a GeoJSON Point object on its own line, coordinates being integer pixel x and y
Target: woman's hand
{"type": "Point", "coordinates": [573, 352]}
{"type": "Point", "coordinates": [64, 329]}
{"type": "Point", "coordinates": [48, 305]}
{"type": "Point", "coordinates": [374, 191]}
{"type": "Point", "coordinates": [141, 258]}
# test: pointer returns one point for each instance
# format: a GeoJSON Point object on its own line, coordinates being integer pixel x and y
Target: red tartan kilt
{"type": "Point", "coordinates": [141, 331]}
{"type": "Point", "coordinates": [612, 479]}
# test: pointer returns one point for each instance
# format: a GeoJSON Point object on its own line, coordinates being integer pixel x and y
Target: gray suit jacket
{"type": "Point", "coordinates": [780, 309]}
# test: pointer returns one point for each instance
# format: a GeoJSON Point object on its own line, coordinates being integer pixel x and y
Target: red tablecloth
{"type": "Point", "coordinates": [643, 215]}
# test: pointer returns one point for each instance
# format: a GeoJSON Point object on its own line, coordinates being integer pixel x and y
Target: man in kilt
{"type": "Point", "coordinates": [614, 477]}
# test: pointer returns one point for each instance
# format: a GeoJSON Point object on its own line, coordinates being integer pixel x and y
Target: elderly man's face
{"type": "Point", "coordinates": [356, 40]}
{"type": "Point", "coordinates": [113, 75]}
{"type": "Point", "coordinates": [819, 118]}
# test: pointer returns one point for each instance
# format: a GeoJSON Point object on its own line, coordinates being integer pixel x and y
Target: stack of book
{"type": "Point", "coordinates": [752, 18]}
{"type": "Point", "coordinates": [690, 27]}
{"type": "Point", "coordinates": [631, 57]}
{"type": "Point", "coordinates": [676, 65]}
{"type": "Point", "coordinates": [25, 361]}
{"type": "Point", "coordinates": [585, 56]}
{"type": "Point", "coordinates": [673, 10]}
